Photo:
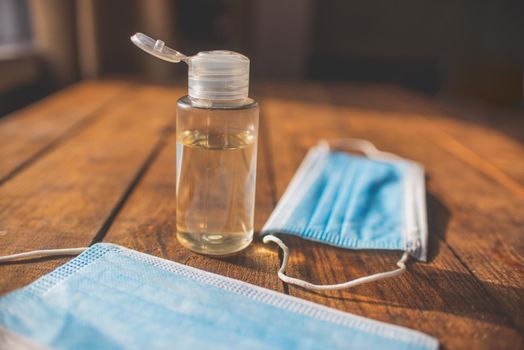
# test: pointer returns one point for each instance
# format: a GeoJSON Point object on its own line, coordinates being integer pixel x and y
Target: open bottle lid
{"type": "Point", "coordinates": [213, 75]}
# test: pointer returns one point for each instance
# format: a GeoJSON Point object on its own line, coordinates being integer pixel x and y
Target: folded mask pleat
{"type": "Point", "coordinates": [307, 178]}
{"type": "Point", "coordinates": [375, 209]}
{"type": "Point", "coordinates": [341, 208]}
{"type": "Point", "coordinates": [305, 209]}
{"type": "Point", "coordinates": [335, 175]}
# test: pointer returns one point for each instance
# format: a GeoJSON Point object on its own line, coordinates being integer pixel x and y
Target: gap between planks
{"type": "Point", "coordinates": [67, 134]}
{"type": "Point", "coordinates": [161, 143]}
{"type": "Point", "coordinates": [264, 141]}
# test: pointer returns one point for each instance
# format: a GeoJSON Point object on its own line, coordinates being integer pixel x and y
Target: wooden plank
{"type": "Point", "coordinates": [442, 298]}
{"type": "Point", "coordinates": [65, 198]}
{"type": "Point", "coordinates": [147, 223]}
{"type": "Point", "coordinates": [27, 133]}
{"type": "Point", "coordinates": [487, 138]}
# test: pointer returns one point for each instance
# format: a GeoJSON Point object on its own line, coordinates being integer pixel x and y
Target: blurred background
{"type": "Point", "coordinates": [465, 49]}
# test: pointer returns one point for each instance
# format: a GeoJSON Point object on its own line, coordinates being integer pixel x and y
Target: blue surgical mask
{"type": "Point", "coordinates": [353, 202]}
{"type": "Point", "coordinates": [111, 297]}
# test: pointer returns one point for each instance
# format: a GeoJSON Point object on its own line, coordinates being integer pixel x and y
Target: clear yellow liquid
{"type": "Point", "coordinates": [215, 190]}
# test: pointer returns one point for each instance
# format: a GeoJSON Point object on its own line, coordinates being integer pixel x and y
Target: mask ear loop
{"type": "Point", "coordinates": [364, 146]}
{"type": "Point", "coordinates": [41, 253]}
{"type": "Point", "coordinates": [321, 287]}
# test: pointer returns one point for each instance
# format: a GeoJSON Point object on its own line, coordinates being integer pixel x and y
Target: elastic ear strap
{"type": "Point", "coordinates": [298, 282]}
{"type": "Point", "coordinates": [364, 146]}
{"type": "Point", "coordinates": [41, 253]}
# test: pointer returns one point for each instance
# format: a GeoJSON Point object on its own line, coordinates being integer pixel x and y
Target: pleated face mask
{"type": "Point", "coordinates": [353, 202]}
{"type": "Point", "coordinates": [111, 297]}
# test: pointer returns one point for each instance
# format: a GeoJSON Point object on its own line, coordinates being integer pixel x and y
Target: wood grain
{"type": "Point", "coordinates": [64, 198]}
{"type": "Point", "coordinates": [486, 138]}
{"type": "Point", "coordinates": [444, 297]}
{"type": "Point", "coordinates": [28, 133]}
{"type": "Point", "coordinates": [97, 162]}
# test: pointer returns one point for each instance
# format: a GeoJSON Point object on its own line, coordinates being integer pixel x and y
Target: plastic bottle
{"type": "Point", "coordinates": [217, 133]}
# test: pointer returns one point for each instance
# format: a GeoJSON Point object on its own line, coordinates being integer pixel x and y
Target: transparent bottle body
{"type": "Point", "coordinates": [216, 174]}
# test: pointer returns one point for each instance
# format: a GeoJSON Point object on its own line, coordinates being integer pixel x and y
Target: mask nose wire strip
{"type": "Point", "coordinates": [320, 287]}
{"type": "Point", "coordinates": [42, 253]}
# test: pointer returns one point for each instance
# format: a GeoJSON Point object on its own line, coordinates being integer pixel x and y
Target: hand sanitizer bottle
{"type": "Point", "coordinates": [217, 132]}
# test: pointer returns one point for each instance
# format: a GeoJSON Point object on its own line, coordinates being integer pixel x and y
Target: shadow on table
{"type": "Point", "coordinates": [438, 219]}
{"type": "Point", "coordinates": [449, 292]}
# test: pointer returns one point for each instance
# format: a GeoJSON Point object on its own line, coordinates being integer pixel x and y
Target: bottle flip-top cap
{"type": "Point", "coordinates": [213, 75]}
{"type": "Point", "coordinates": [218, 75]}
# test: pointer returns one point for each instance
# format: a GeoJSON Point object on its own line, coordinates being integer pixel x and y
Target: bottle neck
{"type": "Point", "coordinates": [207, 103]}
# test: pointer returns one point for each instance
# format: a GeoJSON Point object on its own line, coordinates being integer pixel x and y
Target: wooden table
{"type": "Point", "coordinates": [96, 162]}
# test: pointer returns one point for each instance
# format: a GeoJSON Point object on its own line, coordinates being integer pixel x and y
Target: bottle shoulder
{"type": "Point", "coordinates": [188, 102]}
